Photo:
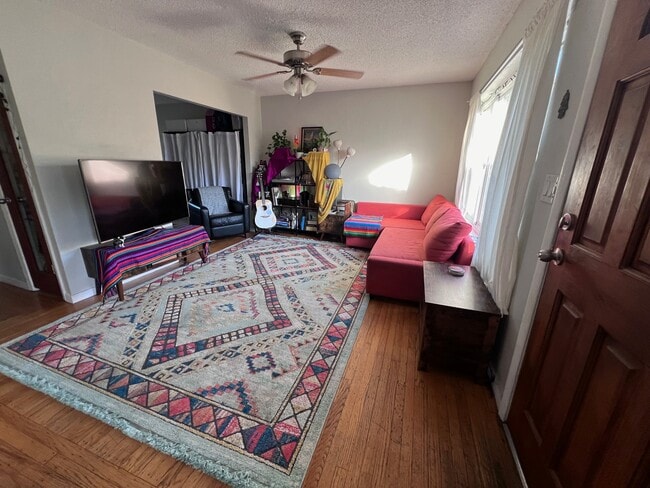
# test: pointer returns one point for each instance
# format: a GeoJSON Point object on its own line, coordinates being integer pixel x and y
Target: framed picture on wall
{"type": "Point", "coordinates": [309, 138]}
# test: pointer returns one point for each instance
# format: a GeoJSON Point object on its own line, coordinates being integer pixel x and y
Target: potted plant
{"type": "Point", "coordinates": [278, 140]}
{"type": "Point", "coordinates": [324, 140]}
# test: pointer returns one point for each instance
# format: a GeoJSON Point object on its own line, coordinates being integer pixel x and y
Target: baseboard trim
{"type": "Point", "coordinates": [513, 451]}
{"type": "Point", "coordinates": [17, 283]}
{"type": "Point", "coordinates": [82, 295]}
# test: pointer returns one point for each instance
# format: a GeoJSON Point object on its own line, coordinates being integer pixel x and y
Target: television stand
{"type": "Point", "coordinates": [109, 265]}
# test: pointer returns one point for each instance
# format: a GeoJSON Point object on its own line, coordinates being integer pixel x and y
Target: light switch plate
{"type": "Point", "coordinates": [549, 188]}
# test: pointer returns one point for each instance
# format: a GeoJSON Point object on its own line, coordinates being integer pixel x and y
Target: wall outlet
{"type": "Point", "coordinates": [549, 188]}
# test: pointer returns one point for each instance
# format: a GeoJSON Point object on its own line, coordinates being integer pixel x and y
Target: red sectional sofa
{"type": "Point", "coordinates": [410, 235]}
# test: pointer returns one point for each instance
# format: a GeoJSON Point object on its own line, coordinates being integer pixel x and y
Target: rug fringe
{"type": "Point", "coordinates": [178, 451]}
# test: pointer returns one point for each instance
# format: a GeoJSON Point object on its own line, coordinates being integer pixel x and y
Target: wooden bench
{"type": "Point", "coordinates": [109, 265]}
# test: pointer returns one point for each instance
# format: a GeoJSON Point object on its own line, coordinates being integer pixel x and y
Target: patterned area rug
{"type": "Point", "coordinates": [229, 366]}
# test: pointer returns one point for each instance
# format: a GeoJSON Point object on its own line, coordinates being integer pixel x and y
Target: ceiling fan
{"type": "Point", "coordinates": [300, 62]}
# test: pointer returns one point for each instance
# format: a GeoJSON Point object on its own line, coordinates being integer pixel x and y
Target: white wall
{"type": "Point", "coordinates": [384, 125]}
{"type": "Point", "coordinates": [83, 91]}
{"type": "Point", "coordinates": [555, 154]}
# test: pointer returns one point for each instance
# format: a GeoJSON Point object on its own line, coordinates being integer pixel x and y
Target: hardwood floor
{"type": "Point", "coordinates": [389, 426]}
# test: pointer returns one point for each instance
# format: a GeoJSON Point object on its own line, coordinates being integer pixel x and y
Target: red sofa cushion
{"type": "Point", "coordinates": [445, 235]}
{"type": "Point", "coordinates": [437, 214]}
{"type": "Point", "coordinates": [465, 252]}
{"type": "Point", "coordinates": [391, 210]}
{"type": "Point", "coordinates": [395, 265]}
{"type": "Point", "coordinates": [435, 202]}
{"type": "Point", "coordinates": [402, 224]}
{"type": "Point", "coordinates": [400, 244]}
{"type": "Point", "coordinates": [395, 278]}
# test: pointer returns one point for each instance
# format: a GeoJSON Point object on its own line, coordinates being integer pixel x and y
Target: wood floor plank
{"type": "Point", "coordinates": [22, 470]}
{"type": "Point", "coordinates": [149, 464]}
{"type": "Point", "coordinates": [68, 453]}
{"type": "Point", "coordinates": [15, 435]}
{"type": "Point", "coordinates": [89, 470]}
{"type": "Point", "coordinates": [184, 476]}
{"type": "Point", "coordinates": [376, 463]}
{"type": "Point", "coordinates": [366, 427]}
{"type": "Point", "coordinates": [389, 424]}
{"type": "Point", "coordinates": [9, 390]}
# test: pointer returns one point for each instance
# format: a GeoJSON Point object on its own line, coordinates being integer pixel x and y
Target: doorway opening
{"type": "Point", "coordinates": [209, 142]}
{"type": "Point", "coordinates": [21, 214]}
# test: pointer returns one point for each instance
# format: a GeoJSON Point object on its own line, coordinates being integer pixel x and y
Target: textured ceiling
{"type": "Point", "coordinates": [398, 42]}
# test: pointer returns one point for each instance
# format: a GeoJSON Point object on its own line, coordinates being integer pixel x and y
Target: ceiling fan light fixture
{"type": "Point", "coordinates": [298, 61]}
{"type": "Point", "coordinates": [291, 85]}
{"type": "Point", "coordinates": [307, 85]}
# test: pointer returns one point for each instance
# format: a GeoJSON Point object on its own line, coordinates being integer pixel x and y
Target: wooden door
{"type": "Point", "coordinates": [18, 197]}
{"type": "Point", "coordinates": [581, 411]}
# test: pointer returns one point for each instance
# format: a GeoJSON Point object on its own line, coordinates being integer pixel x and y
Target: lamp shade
{"type": "Point", "coordinates": [307, 85]}
{"type": "Point", "coordinates": [291, 85]}
{"type": "Point", "coordinates": [351, 151]}
{"type": "Point", "coordinates": [338, 144]}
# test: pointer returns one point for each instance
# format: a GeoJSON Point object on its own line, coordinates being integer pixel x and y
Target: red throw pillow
{"type": "Point", "coordinates": [437, 214]}
{"type": "Point", "coordinates": [445, 235]}
{"type": "Point", "coordinates": [432, 207]}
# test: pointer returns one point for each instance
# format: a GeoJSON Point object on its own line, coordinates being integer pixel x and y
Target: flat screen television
{"type": "Point", "coordinates": [129, 196]}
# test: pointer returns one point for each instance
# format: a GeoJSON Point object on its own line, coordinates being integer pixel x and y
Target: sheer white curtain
{"type": "Point", "coordinates": [465, 166]}
{"type": "Point", "coordinates": [482, 134]}
{"type": "Point", "coordinates": [209, 158]}
{"type": "Point", "coordinates": [497, 249]}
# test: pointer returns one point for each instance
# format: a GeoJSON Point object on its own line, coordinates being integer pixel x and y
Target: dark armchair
{"type": "Point", "coordinates": [214, 208]}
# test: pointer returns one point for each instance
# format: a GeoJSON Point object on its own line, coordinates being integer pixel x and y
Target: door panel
{"type": "Point", "coordinates": [581, 411]}
{"type": "Point", "coordinates": [611, 378]}
{"type": "Point", "coordinates": [625, 112]}
{"type": "Point", "coordinates": [564, 329]}
{"type": "Point", "coordinates": [15, 187]}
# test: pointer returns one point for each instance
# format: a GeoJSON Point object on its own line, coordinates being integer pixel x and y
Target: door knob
{"type": "Point", "coordinates": [556, 255]}
{"type": "Point", "coordinates": [5, 201]}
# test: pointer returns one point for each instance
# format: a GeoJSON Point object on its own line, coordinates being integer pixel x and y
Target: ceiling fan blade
{"type": "Point", "coordinates": [261, 58]}
{"type": "Point", "coordinates": [259, 77]}
{"type": "Point", "coordinates": [343, 73]}
{"type": "Point", "coordinates": [323, 53]}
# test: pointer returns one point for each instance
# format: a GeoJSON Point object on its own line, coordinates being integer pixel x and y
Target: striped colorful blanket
{"type": "Point", "coordinates": [152, 246]}
{"type": "Point", "coordinates": [362, 226]}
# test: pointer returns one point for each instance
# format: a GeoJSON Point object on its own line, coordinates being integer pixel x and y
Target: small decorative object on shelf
{"type": "Point", "coordinates": [333, 170]}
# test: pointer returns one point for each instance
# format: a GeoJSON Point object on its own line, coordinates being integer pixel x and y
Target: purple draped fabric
{"type": "Point", "coordinates": [148, 248]}
{"type": "Point", "coordinates": [280, 159]}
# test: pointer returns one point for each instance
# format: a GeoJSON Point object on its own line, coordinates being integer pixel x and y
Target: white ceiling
{"type": "Point", "coordinates": [396, 42]}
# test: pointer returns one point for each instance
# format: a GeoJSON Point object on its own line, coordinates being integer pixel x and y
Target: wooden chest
{"type": "Point", "coordinates": [333, 224]}
{"type": "Point", "coordinates": [459, 321]}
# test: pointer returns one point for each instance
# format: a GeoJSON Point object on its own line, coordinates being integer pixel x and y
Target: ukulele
{"type": "Point", "coordinates": [264, 215]}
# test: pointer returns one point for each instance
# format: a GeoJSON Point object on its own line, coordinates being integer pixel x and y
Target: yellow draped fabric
{"type": "Point", "coordinates": [317, 162]}
{"type": "Point", "coordinates": [326, 190]}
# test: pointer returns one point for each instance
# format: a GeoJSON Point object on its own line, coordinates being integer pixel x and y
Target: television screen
{"type": "Point", "coordinates": [128, 196]}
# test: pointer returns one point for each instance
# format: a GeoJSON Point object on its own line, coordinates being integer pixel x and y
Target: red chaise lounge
{"type": "Point", "coordinates": [410, 235]}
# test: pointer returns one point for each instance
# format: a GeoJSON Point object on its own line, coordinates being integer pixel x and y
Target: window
{"type": "Point", "coordinates": [484, 131]}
